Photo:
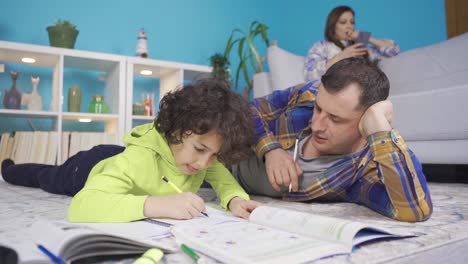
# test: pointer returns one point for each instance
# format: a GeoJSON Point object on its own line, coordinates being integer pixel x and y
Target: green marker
{"type": "Point", "coordinates": [190, 252]}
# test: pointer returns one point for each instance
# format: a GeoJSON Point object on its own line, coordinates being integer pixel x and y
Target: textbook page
{"type": "Point", "coordinates": [321, 227]}
{"type": "Point", "coordinates": [246, 242]}
{"type": "Point", "coordinates": [232, 239]}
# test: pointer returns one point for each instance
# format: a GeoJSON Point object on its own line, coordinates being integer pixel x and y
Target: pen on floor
{"type": "Point", "coordinates": [177, 189]}
{"type": "Point", "coordinates": [294, 158]}
{"type": "Point", "coordinates": [51, 255]}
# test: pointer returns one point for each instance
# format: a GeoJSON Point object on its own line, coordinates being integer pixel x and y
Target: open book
{"type": "Point", "coordinates": [274, 235]}
{"type": "Point", "coordinates": [78, 241]}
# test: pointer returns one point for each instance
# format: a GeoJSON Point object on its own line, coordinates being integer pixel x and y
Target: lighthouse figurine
{"type": "Point", "coordinates": [142, 49]}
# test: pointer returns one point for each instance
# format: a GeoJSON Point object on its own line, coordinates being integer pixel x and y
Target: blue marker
{"type": "Point", "coordinates": [51, 255]}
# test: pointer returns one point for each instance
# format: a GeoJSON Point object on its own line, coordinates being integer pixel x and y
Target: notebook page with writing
{"type": "Point", "coordinates": [234, 240]}
{"type": "Point", "coordinates": [244, 242]}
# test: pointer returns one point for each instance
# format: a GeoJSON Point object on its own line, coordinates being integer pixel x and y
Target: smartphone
{"type": "Point", "coordinates": [363, 37]}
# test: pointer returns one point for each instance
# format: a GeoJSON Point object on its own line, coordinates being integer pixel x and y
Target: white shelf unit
{"type": "Point", "coordinates": [170, 75]}
{"type": "Point", "coordinates": [61, 60]}
{"type": "Point", "coordinates": [120, 73]}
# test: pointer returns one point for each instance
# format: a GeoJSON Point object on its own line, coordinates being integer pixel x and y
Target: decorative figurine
{"type": "Point", "coordinates": [74, 98]}
{"type": "Point", "coordinates": [32, 100]}
{"type": "Point", "coordinates": [142, 49]}
{"type": "Point", "coordinates": [12, 99]}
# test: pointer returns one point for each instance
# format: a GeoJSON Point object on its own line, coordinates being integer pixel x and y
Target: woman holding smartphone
{"type": "Point", "coordinates": [341, 42]}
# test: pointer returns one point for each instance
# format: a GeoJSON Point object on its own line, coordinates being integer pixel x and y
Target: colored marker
{"type": "Point", "coordinates": [51, 255]}
{"type": "Point", "coordinates": [190, 252]}
{"type": "Point", "coordinates": [151, 256]}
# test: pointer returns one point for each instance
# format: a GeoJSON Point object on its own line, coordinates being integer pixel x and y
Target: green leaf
{"type": "Point", "coordinates": [246, 51]}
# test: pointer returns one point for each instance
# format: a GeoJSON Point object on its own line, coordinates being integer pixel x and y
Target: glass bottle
{"type": "Point", "coordinates": [97, 105]}
{"type": "Point", "coordinates": [148, 104]}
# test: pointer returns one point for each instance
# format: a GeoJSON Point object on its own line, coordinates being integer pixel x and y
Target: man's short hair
{"type": "Point", "coordinates": [367, 75]}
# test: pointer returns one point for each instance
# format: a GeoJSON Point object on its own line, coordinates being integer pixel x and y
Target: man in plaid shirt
{"type": "Point", "coordinates": [348, 151]}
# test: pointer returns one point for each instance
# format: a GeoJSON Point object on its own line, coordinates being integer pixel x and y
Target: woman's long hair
{"type": "Point", "coordinates": [330, 26]}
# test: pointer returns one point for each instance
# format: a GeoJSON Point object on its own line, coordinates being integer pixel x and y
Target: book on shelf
{"type": "Point", "coordinates": [39, 147]}
{"type": "Point", "coordinates": [72, 242]}
{"type": "Point", "coordinates": [4, 146]}
{"type": "Point", "coordinates": [9, 150]}
{"type": "Point", "coordinates": [65, 146]}
{"type": "Point", "coordinates": [275, 235]}
{"type": "Point", "coordinates": [52, 145]}
{"type": "Point", "coordinates": [15, 147]}
{"type": "Point", "coordinates": [75, 141]}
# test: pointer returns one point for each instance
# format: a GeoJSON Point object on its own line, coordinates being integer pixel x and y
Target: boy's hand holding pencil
{"type": "Point", "coordinates": [183, 205]}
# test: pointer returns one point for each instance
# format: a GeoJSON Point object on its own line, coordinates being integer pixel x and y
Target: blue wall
{"type": "Point", "coordinates": [191, 31]}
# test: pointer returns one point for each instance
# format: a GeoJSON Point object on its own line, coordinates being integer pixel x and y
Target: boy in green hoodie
{"type": "Point", "coordinates": [198, 128]}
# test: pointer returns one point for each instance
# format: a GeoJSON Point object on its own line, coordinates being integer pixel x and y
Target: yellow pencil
{"type": "Point", "coordinates": [171, 184]}
{"type": "Point", "coordinates": [177, 189]}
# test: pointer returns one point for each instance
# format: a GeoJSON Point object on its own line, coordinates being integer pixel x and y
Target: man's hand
{"type": "Point", "coordinates": [377, 118]}
{"type": "Point", "coordinates": [242, 208]}
{"type": "Point", "coordinates": [180, 206]}
{"type": "Point", "coordinates": [282, 169]}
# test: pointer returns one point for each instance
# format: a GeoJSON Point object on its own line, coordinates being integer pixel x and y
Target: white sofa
{"type": "Point", "coordinates": [429, 87]}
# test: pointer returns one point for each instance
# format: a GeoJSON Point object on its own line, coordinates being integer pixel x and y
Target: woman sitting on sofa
{"type": "Point", "coordinates": [341, 42]}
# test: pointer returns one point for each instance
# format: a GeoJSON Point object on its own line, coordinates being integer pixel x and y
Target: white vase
{"type": "Point", "coordinates": [261, 84]}
{"type": "Point", "coordinates": [34, 101]}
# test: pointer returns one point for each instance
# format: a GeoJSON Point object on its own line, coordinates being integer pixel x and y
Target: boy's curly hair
{"type": "Point", "coordinates": [206, 105]}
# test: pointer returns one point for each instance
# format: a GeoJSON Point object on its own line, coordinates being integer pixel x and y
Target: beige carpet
{"type": "Point", "coordinates": [447, 226]}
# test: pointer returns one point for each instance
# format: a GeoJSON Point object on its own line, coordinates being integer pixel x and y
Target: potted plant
{"type": "Point", "coordinates": [220, 65]}
{"type": "Point", "coordinates": [62, 34]}
{"type": "Point", "coordinates": [249, 57]}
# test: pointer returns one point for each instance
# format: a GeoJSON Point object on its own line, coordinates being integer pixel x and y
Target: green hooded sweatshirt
{"type": "Point", "coordinates": [117, 187]}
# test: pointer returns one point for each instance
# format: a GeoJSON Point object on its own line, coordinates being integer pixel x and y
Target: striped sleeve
{"type": "Point", "coordinates": [273, 113]}
{"type": "Point", "coordinates": [401, 176]}
{"type": "Point", "coordinates": [379, 52]}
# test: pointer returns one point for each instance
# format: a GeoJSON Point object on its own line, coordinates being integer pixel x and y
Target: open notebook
{"type": "Point", "coordinates": [274, 235]}
{"type": "Point", "coordinates": [73, 242]}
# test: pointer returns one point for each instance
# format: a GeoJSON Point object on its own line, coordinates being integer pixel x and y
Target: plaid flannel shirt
{"type": "Point", "coordinates": [384, 176]}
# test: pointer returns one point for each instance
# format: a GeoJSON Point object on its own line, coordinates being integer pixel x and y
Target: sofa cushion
{"type": "Point", "coordinates": [286, 69]}
{"type": "Point", "coordinates": [423, 69]}
{"type": "Point", "coordinates": [432, 115]}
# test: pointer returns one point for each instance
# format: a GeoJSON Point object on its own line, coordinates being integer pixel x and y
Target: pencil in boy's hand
{"type": "Point", "coordinates": [171, 184]}
{"type": "Point", "coordinates": [205, 214]}
{"type": "Point", "coordinates": [164, 178]}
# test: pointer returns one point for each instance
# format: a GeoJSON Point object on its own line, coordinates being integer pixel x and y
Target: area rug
{"type": "Point", "coordinates": [20, 205]}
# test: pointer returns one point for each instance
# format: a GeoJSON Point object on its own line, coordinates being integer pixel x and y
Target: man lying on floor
{"type": "Point", "coordinates": [346, 149]}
